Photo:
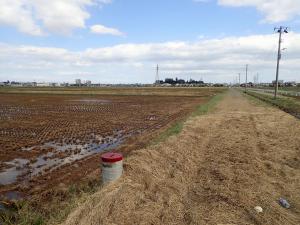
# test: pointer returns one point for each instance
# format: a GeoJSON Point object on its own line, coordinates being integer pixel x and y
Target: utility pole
{"type": "Point", "coordinates": [157, 75]}
{"type": "Point", "coordinates": [280, 30]}
{"type": "Point", "coordinates": [246, 78]}
{"type": "Point", "coordinates": [255, 79]}
{"type": "Point", "coordinates": [239, 78]}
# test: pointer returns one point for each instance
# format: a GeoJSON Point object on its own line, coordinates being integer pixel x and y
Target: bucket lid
{"type": "Point", "coordinates": [111, 157]}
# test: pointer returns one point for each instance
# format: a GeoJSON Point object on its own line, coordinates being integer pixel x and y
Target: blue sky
{"type": "Point", "coordinates": [115, 41]}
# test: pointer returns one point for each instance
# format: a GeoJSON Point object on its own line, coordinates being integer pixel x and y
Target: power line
{"type": "Point", "coordinates": [280, 30]}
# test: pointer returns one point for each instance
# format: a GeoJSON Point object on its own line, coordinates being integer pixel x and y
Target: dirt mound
{"type": "Point", "coordinates": [216, 171]}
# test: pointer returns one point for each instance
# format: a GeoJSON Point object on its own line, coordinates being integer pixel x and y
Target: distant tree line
{"type": "Point", "coordinates": [178, 81]}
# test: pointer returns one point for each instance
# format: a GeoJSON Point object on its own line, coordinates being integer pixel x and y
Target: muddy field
{"type": "Point", "coordinates": [50, 140]}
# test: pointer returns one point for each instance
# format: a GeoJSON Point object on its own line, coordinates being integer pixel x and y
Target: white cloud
{"type": "Point", "coordinates": [273, 10]}
{"type": "Point", "coordinates": [38, 17]}
{"type": "Point", "coordinates": [14, 13]}
{"type": "Point", "coordinates": [215, 59]}
{"type": "Point", "coordinates": [100, 29]}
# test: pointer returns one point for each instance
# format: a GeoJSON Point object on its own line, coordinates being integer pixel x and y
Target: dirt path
{"type": "Point", "coordinates": [216, 171]}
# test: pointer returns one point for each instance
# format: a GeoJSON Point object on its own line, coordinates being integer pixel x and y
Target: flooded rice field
{"type": "Point", "coordinates": [47, 140]}
{"type": "Point", "coordinates": [57, 154]}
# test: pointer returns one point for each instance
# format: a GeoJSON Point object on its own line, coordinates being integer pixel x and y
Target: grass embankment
{"type": "Point", "coordinates": [289, 105]}
{"type": "Point", "coordinates": [64, 200]}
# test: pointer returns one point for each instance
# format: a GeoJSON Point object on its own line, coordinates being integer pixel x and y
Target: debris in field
{"type": "Point", "coordinates": [284, 203]}
{"type": "Point", "coordinates": [258, 209]}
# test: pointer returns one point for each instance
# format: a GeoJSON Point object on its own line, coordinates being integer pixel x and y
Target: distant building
{"type": "Point", "coordinates": [78, 82]}
{"type": "Point", "coordinates": [290, 84]}
{"type": "Point", "coordinates": [29, 84]}
{"type": "Point", "coordinates": [280, 83]}
{"type": "Point", "coordinates": [42, 84]}
{"type": "Point", "coordinates": [64, 84]}
{"type": "Point", "coordinates": [16, 84]}
{"type": "Point", "coordinates": [88, 83]}
{"type": "Point", "coordinates": [53, 84]}
{"type": "Point", "coordinates": [5, 83]}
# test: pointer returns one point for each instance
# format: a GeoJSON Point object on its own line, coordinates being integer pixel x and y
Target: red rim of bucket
{"type": "Point", "coordinates": [111, 157]}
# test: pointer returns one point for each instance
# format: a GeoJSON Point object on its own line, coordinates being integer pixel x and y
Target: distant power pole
{"type": "Point", "coordinates": [239, 78]}
{"type": "Point", "coordinates": [255, 79]}
{"type": "Point", "coordinates": [280, 30]}
{"type": "Point", "coordinates": [157, 75]}
{"type": "Point", "coordinates": [246, 78]}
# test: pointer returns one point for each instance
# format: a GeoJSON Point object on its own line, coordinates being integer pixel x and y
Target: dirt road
{"type": "Point", "coordinates": [222, 165]}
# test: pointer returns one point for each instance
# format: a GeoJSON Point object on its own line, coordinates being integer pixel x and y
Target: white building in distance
{"type": "Point", "coordinates": [78, 82]}
{"type": "Point", "coordinates": [88, 83]}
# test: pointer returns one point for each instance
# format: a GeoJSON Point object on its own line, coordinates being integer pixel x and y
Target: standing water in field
{"type": "Point", "coordinates": [62, 154]}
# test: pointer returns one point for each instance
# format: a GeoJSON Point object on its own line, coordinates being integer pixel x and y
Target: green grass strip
{"type": "Point", "coordinates": [209, 106]}
{"type": "Point", "coordinates": [177, 127]}
{"type": "Point", "coordinates": [286, 104]}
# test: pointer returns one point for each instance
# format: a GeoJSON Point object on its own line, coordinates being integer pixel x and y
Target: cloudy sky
{"type": "Point", "coordinates": [121, 41]}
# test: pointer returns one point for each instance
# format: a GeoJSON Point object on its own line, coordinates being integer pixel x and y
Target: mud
{"type": "Point", "coordinates": [46, 140]}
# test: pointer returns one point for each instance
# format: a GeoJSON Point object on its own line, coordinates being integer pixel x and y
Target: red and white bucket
{"type": "Point", "coordinates": [112, 166]}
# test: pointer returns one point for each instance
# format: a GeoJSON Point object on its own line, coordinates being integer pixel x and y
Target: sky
{"type": "Point", "coordinates": [122, 41]}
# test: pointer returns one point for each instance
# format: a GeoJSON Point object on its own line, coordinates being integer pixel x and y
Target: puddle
{"type": "Point", "coordinates": [62, 154]}
{"type": "Point", "coordinates": [10, 175]}
{"type": "Point", "coordinates": [11, 196]}
{"type": "Point", "coordinates": [7, 198]}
